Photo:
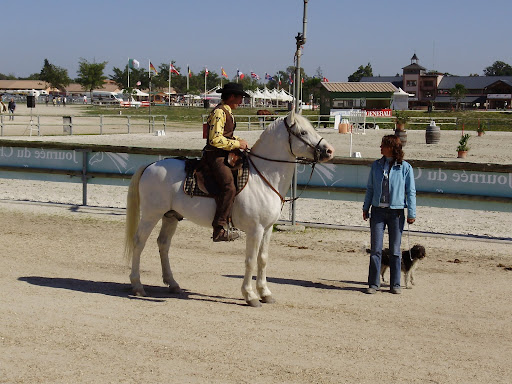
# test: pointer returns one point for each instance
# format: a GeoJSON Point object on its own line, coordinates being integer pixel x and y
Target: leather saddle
{"type": "Point", "coordinates": [199, 180]}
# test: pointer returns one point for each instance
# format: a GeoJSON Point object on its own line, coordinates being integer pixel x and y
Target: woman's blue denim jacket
{"type": "Point", "coordinates": [402, 189]}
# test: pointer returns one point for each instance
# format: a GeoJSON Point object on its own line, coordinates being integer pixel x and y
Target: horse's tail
{"type": "Point", "coordinates": [132, 214]}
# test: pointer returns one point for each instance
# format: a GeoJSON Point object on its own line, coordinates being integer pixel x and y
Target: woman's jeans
{"type": "Point", "coordinates": [394, 219]}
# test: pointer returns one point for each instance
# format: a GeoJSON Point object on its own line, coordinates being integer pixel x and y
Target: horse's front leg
{"type": "Point", "coordinates": [252, 246]}
{"type": "Point", "coordinates": [167, 231]}
{"type": "Point", "coordinates": [261, 279]}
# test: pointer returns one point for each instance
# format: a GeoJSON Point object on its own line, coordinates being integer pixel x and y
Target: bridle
{"type": "Point", "coordinates": [298, 160]}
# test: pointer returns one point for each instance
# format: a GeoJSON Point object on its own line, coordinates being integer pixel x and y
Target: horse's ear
{"type": "Point", "coordinates": [290, 119]}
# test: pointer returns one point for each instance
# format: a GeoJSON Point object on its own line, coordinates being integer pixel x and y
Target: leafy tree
{"type": "Point", "coordinates": [56, 76]}
{"type": "Point", "coordinates": [90, 75]}
{"type": "Point", "coordinates": [458, 92]}
{"type": "Point", "coordinates": [161, 81]}
{"type": "Point", "coordinates": [33, 76]}
{"type": "Point", "coordinates": [361, 72]}
{"type": "Point", "coordinates": [7, 77]}
{"type": "Point", "coordinates": [120, 77]}
{"type": "Point", "coordinates": [499, 68]}
{"type": "Point", "coordinates": [311, 87]}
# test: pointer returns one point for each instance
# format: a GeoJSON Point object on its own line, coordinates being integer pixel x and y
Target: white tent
{"type": "Point", "coordinates": [137, 93]}
{"type": "Point", "coordinates": [261, 97]}
{"type": "Point", "coordinates": [400, 100]}
{"type": "Point", "coordinates": [285, 96]}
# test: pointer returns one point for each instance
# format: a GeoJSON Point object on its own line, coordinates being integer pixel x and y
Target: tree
{"type": "Point", "coordinates": [361, 72]}
{"type": "Point", "coordinates": [120, 77]}
{"type": "Point", "coordinates": [7, 77]}
{"type": "Point", "coordinates": [33, 76]}
{"type": "Point", "coordinates": [90, 75]}
{"type": "Point", "coordinates": [458, 92]}
{"type": "Point", "coordinates": [499, 68]}
{"type": "Point", "coordinates": [56, 77]}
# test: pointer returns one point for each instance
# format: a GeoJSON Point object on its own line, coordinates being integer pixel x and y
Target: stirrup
{"type": "Point", "coordinates": [225, 235]}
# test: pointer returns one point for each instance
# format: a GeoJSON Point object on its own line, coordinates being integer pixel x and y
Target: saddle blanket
{"type": "Point", "coordinates": [192, 186]}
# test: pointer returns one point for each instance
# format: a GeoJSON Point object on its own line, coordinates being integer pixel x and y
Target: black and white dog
{"type": "Point", "coordinates": [410, 261]}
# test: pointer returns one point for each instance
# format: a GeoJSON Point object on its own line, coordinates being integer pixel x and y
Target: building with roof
{"type": "Point", "coordinates": [24, 87]}
{"type": "Point", "coordinates": [363, 95]}
{"type": "Point", "coordinates": [491, 92]}
{"type": "Point", "coordinates": [433, 88]}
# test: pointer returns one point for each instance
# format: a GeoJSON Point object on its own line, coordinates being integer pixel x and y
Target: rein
{"type": "Point", "coordinates": [298, 160]}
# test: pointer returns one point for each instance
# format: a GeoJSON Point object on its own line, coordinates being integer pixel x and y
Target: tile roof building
{"type": "Point", "coordinates": [433, 88]}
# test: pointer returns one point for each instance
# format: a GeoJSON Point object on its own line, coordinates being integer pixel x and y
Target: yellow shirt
{"type": "Point", "coordinates": [216, 137]}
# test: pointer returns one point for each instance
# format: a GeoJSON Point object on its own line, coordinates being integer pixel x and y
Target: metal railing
{"type": "Point", "coordinates": [40, 125]}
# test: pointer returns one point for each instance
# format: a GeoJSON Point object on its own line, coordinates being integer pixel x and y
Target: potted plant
{"type": "Point", "coordinates": [463, 147]}
{"type": "Point", "coordinates": [401, 119]}
{"type": "Point", "coordinates": [481, 128]}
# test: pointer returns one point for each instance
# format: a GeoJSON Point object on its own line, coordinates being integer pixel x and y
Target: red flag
{"type": "Point", "coordinates": [206, 71]}
{"type": "Point", "coordinates": [223, 72]}
{"type": "Point", "coordinates": [174, 70]}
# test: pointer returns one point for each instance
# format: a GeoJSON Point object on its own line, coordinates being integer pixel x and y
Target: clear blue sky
{"type": "Point", "coordinates": [455, 36]}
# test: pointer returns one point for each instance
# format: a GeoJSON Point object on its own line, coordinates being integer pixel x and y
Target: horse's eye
{"type": "Point", "coordinates": [303, 133]}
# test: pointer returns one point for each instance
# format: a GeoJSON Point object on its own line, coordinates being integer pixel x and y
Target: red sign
{"type": "Point", "coordinates": [379, 113]}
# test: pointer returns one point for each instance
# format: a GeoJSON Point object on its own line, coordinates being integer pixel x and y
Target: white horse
{"type": "Point", "coordinates": [156, 192]}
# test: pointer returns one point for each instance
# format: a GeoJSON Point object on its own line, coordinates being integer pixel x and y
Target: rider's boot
{"type": "Point", "coordinates": [221, 234]}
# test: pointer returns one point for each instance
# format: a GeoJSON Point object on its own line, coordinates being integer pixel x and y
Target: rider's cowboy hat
{"type": "Point", "coordinates": [234, 89]}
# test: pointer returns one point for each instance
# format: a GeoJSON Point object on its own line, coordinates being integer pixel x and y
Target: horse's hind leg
{"type": "Point", "coordinates": [169, 225]}
{"type": "Point", "coordinates": [141, 236]}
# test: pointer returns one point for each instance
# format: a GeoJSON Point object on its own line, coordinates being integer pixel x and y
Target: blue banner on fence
{"type": "Point", "coordinates": [436, 180]}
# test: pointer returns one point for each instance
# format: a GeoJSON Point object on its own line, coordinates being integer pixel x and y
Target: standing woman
{"type": "Point", "coordinates": [390, 190]}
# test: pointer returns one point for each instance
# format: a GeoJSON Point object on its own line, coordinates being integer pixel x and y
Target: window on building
{"type": "Point", "coordinates": [428, 83]}
{"type": "Point", "coordinates": [411, 83]}
{"type": "Point", "coordinates": [337, 103]}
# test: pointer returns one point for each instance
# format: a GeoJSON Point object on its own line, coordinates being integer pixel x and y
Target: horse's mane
{"type": "Point", "coordinates": [269, 130]}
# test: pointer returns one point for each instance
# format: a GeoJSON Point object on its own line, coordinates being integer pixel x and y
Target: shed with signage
{"type": "Point", "coordinates": [349, 95]}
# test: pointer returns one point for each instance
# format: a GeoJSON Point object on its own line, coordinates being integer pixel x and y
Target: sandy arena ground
{"type": "Point", "coordinates": [68, 316]}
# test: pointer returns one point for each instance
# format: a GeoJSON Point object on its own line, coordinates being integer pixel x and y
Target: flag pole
{"type": "Point", "coordinates": [149, 110]}
{"type": "Point", "coordinates": [188, 77]}
{"type": "Point", "coordinates": [300, 41]}
{"type": "Point", "coordinates": [128, 74]}
{"type": "Point", "coordinates": [170, 75]}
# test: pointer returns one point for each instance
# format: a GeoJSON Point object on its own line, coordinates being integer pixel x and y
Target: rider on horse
{"type": "Point", "coordinates": [221, 141]}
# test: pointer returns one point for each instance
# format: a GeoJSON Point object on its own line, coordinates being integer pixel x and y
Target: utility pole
{"type": "Point", "coordinates": [300, 41]}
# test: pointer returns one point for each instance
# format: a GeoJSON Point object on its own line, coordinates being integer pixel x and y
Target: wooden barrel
{"type": "Point", "coordinates": [402, 135]}
{"type": "Point", "coordinates": [432, 134]}
{"type": "Point", "coordinates": [343, 128]}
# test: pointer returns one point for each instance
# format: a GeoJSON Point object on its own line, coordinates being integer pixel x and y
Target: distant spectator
{"type": "Point", "coordinates": [47, 100]}
{"type": "Point", "coordinates": [64, 101]}
{"type": "Point", "coordinates": [85, 99]}
{"type": "Point", "coordinates": [54, 101]}
{"type": "Point", "coordinates": [12, 108]}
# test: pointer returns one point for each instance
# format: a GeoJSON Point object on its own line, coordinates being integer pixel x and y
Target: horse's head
{"type": "Point", "coordinates": [304, 141]}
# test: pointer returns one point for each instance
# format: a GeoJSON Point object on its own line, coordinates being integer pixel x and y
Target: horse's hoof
{"type": "Point", "coordinates": [255, 303]}
{"type": "Point", "coordinates": [268, 300]}
{"type": "Point", "coordinates": [139, 292]}
{"type": "Point", "coordinates": [175, 290]}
